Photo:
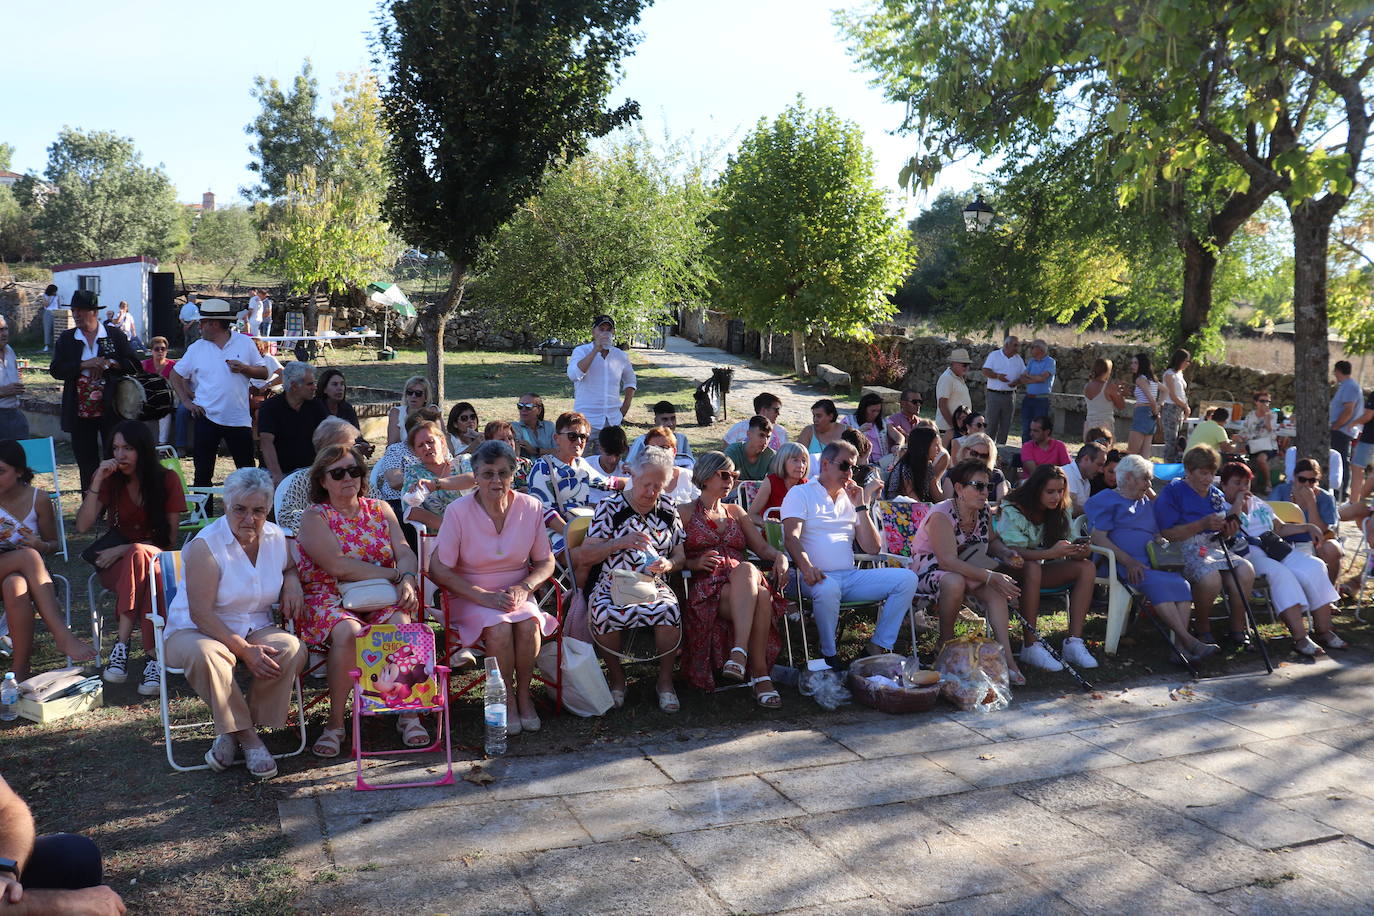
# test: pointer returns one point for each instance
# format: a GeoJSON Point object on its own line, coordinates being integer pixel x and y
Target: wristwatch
{"type": "Point", "coordinates": [10, 866]}
{"type": "Point", "coordinates": [862, 507]}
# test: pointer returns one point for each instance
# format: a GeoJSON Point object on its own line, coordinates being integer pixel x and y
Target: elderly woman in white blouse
{"type": "Point", "coordinates": [235, 570]}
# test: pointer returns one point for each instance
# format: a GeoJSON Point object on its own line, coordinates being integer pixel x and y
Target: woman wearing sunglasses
{"type": "Point", "coordinates": [532, 431]}
{"type": "Point", "coordinates": [462, 428]}
{"type": "Point", "coordinates": [1261, 437]}
{"type": "Point", "coordinates": [732, 610]}
{"type": "Point", "coordinates": [416, 394]}
{"type": "Point", "coordinates": [563, 481]}
{"type": "Point", "coordinates": [349, 537]}
{"type": "Point", "coordinates": [158, 364]}
{"type": "Point", "coordinates": [980, 447]}
{"type": "Point", "coordinates": [956, 553]}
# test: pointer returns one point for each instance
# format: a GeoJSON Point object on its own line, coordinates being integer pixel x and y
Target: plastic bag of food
{"type": "Point", "coordinates": [974, 674]}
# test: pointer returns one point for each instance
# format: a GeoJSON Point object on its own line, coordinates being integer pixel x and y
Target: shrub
{"type": "Point", "coordinates": [884, 367]}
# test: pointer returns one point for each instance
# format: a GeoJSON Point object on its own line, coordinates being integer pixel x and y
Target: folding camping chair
{"type": "Point", "coordinates": [168, 576]}
{"type": "Point", "coordinates": [397, 673]}
{"type": "Point", "coordinates": [41, 457]}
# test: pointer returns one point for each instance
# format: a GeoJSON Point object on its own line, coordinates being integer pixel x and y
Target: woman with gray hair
{"type": "Point", "coordinates": [1123, 521]}
{"type": "Point", "coordinates": [232, 574]}
{"type": "Point", "coordinates": [294, 491]}
{"type": "Point", "coordinates": [636, 531]}
{"type": "Point", "coordinates": [490, 556]}
{"type": "Point", "coordinates": [790, 466]}
{"type": "Point", "coordinates": [731, 609]}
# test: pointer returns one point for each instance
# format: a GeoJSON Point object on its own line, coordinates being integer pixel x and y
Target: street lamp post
{"type": "Point", "coordinates": [978, 215]}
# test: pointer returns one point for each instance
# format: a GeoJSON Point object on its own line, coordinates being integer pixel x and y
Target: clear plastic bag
{"type": "Point", "coordinates": [973, 674]}
{"type": "Point", "coordinates": [825, 688]}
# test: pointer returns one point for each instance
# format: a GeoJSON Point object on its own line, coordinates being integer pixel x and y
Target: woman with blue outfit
{"type": "Point", "coordinates": [1123, 521]}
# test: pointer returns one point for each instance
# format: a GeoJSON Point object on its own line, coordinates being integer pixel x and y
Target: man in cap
{"type": "Point", "coordinates": [951, 393]}
{"type": "Point", "coordinates": [600, 371]}
{"type": "Point", "coordinates": [213, 379]}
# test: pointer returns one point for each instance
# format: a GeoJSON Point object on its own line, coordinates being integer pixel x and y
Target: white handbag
{"type": "Point", "coordinates": [585, 691]}
{"type": "Point", "coordinates": [368, 594]}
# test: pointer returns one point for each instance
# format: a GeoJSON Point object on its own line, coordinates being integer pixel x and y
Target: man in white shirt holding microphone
{"type": "Point", "coordinates": [600, 371]}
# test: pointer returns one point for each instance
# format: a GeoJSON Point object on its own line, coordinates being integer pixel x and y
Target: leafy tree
{"type": "Point", "coordinates": [289, 135]}
{"type": "Point", "coordinates": [328, 239]}
{"type": "Point", "coordinates": [6, 155]}
{"type": "Point", "coordinates": [226, 238]}
{"type": "Point", "coordinates": [482, 98]}
{"type": "Point", "coordinates": [804, 240]}
{"type": "Point", "coordinates": [107, 204]}
{"type": "Point", "coordinates": [357, 158]}
{"type": "Point", "coordinates": [17, 239]}
{"type": "Point", "coordinates": [935, 234]}
{"type": "Point", "coordinates": [615, 233]}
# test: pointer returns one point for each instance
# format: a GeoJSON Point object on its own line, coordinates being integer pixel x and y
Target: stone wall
{"type": "Point", "coordinates": [22, 305]}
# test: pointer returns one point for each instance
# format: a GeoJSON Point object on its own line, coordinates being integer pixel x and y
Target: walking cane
{"type": "Point", "coordinates": [1245, 603]}
{"type": "Point", "coordinates": [1053, 654]}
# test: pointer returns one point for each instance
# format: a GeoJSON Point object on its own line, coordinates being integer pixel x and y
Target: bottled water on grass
{"type": "Point", "coordinates": [495, 713]}
{"type": "Point", "coordinates": [9, 698]}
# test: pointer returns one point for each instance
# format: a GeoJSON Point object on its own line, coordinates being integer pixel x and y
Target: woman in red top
{"type": "Point", "coordinates": [790, 465]}
{"type": "Point", "coordinates": [142, 501]}
{"type": "Point", "coordinates": [159, 364]}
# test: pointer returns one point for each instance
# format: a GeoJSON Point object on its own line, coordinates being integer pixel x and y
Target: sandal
{"type": "Point", "coordinates": [261, 764]}
{"type": "Point", "coordinates": [222, 754]}
{"type": "Point", "coordinates": [617, 697]}
{"type": "Point", "coordinates": [328, 743]}
{"type": "Point", "coordinates": [413, 734]}
{"type": "Point", "coordinates": [668, 701]}
{"type": "Point", "coordinates": [768, 699]}
{"type": "Point", "coordinates": [1016, 678]}
{"type": "Point", "coordinates": [733, 670]}
{"type": "Point", "coordinates": [1330, 640]}
{"type": "Point", "coordinates": [1307, 647]}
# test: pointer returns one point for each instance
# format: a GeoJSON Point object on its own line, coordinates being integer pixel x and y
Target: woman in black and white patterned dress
{"type": "Point", "coordinates": [628, 529]}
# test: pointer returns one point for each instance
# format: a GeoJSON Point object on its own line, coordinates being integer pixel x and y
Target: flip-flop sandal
{"type": "Point", "coordinates": [260, 763]}
{"type": "Point", "coordinates": [221, 755]}
{"type": "Point", "coordinates": [413, 734]}
{"type": "Point", "coordinates": [328, 743]}
{"type": "Point", "coordinates": [733, 670]}
{"type": "Point", "coordinates": [769, 699]}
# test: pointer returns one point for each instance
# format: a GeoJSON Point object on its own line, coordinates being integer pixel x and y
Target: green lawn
{"type": "Point", "coordinates": [209, 843]}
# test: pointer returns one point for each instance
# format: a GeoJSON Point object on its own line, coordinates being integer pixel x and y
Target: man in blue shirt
{"type": "Point", "coordinates": [1345, 409]}
{"type": "Point", "coordinates": [1038, 379]}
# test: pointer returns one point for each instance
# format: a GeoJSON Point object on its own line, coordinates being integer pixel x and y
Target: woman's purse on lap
{"type": "Point", "coordinates": [629, 588]}
{"type": "Point", "coordinates": [368, 595]}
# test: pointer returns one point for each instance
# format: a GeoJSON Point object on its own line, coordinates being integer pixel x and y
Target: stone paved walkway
{"type": "Point", "coordinates": [1246, 794]}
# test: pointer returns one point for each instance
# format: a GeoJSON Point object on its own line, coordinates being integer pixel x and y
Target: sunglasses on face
{"type": "Point", "coordinates": [978, 425]}
{"type": "Point", "coordinates": [1263, 401]}
{"type": "Point", "coordinates": [412, 393]}
{"type": "Point", "coordinates": [577, 437]}
{"type": "Point", "coordinates": [728, 475]}
{"type": "Point", "coordinates": [467, 416]}
{"type": "Point", "coordinates": [155, 349]}
{"type": "Point", "coordinates": [525, 406]}
{"type": "Point", "coordinates": [982, 456]}
{"type": "Point", "coordinates": [980, 485]}
{"type": "Point", "coordinates": [845, 465]}
{"type": "Point", "coordinates": [1307, 480]}
{"type": "Point", "coordinates": [340, 473]}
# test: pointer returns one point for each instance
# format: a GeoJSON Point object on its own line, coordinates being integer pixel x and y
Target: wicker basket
{"type": "Point", "coordinates": [889, 699]}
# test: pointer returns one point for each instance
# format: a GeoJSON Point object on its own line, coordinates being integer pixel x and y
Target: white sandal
{"type": "Point", "coordinates": [769, 699]}
{"type": "Point", "coordinates": [329, 743]}
{"type": "Point", "coordinates": [413, 734]}
{"type": "Point", "coordinates": [733, 670]}
{"type": "Point", "coordinates": [256, 759]}
{"type": "Point", "coordinates": [227, 747]}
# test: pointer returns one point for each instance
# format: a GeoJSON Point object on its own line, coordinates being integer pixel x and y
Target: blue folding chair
{"type": "Point", "coordinates": [41, 455]}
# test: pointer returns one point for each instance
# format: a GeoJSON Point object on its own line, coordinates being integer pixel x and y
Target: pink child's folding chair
{"type": "Point", "coordinates": [397, 674]}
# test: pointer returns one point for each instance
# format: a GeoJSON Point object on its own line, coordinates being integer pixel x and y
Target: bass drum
{"type": "Point", "coordinates": [142, 396]}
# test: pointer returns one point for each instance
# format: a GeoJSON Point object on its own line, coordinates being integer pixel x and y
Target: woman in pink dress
{"type": "Point", "coordinates": [492, 553]}
{"type": "Point", "coordinates": [348, 537]}
{"type": "Point", "coordinates": [732, 611]}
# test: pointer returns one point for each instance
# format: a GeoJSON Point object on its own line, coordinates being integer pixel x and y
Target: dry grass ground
{"type": "Point", "coordinates": [209, 843]}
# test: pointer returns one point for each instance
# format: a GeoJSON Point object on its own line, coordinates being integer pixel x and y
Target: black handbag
{"type": "Point", "coordinates": [1275, 547]}
{"type": "Point", "coordinates": [111, 538]}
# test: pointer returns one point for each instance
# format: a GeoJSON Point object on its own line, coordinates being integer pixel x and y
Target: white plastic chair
{"type": "Point", "coordinates": [167, 577]}
{"type": "Point", "coordinates": [41, 456]}
{"type": "Point", "coordinates": [1119, 594]}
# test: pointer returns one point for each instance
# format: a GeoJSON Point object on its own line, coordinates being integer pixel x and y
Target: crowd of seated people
{"type": "Point", "coordinates": [765, 520]}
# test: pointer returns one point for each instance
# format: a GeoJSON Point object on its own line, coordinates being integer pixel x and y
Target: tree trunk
{"type": "Point", "coordinates": [1199, 272]}
{"type": "Point", "coordinates": [799, 353]}
{"type": "Point", "coordinates": [433, 319]}
{"type": "Point", "coordinates": [1311, 352]}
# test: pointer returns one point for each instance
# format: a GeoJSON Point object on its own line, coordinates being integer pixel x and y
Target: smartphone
{"type": "Point", "coordinates": [1083, 541]}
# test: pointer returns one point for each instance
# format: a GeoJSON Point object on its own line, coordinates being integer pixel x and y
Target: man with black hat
{"type": "Point", "coordinates": [86, 358]}
{"type": "Point", "coordinates": [600, 371]}
{"type": "Point", "coordinates": [213, 379]}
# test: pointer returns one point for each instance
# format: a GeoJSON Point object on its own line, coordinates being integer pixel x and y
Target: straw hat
{"type": "Point", "coordinates": [959, 355]}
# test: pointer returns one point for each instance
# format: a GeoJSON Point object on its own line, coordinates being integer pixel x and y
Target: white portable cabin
{"type": "Point", "coordinates": [114, 280]}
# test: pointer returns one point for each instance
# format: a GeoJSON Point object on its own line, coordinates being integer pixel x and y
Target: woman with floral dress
{"type": "Point", "coordinates": [732, 611]}
{"type": "Point", "coordinates": [348, 537]}
{"type": "Point", "coordinates": [637, 530]}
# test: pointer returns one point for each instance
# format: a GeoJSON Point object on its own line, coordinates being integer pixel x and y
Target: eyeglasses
{"type": "Point", "coordinates": [467, 416]}
{"type": "Point", "coordinates": [576, 437]}
{"type": "Point", "coordinates": [978, 426]}
{"type": "Point", "coordinates": [982, 456]}
{"type": "Point", "coordinates": [340, 473]}
{"type": "Point", "coordinates": [155, 349]}
{"type": "Point", "coordinates": [845, 465]}
{"type": "Point", "coordinates": [1262, 401]}
{"type": "Point", "coordinates": [414, 393]}
{"type": "Point", "coordinates": [525, 406]}
{"type": "Point", "coordinates": [728, 475]}
{"type": "Point", "coordinates": [1307, 480]}
{"type": "Point", "coordinates": [980, 485]}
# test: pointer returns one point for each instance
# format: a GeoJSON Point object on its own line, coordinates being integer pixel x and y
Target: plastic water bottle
{"type": "Point", "coordinates": [9, 698]}
{"type": "Point", "coordinates": [495, 713]}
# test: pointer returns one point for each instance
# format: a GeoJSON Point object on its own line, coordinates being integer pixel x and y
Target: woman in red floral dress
{"type": "Point", "coordinates": [732, 610]}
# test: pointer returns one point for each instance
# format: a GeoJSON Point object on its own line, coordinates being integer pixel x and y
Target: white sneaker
{"type": "Point", "coordinates": [1037, 656]}
{"type": "Point", "coordinates": [1076, 653]}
